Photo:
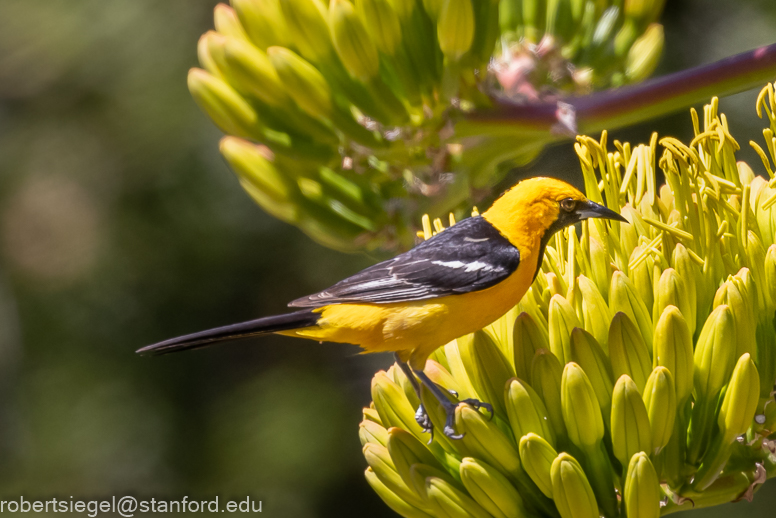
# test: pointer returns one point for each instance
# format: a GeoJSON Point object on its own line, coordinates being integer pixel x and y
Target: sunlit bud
{"type": "Point", "coordinates": [741, 398]}
{"type": "Point", "coordinates": [226, 107]}
{"type": "Point", "coordinates": [352, 42]}
{"type": "Point", "coordinates": [672, 291]}
{"type": "Point", "coordinates": [630, 422]}
{"type": "Point", "coordinates": [601, 266]}
{"type": "Point", "coordinates": [629, 234]}
{"type": "Point", "coordinates": [433, 8]}
{"type": "Point", "coordinates": [770, 276]}
{"type": "Point", "coordinates": [491, 489]}
{"type": "Point", "coordinates": [382, 23]}
{"type": "Point", "coordinates": [487, 368]}
{"type": "Point", "coordinates": [394, 501]}
{"type": "Point", "coordinates": [263, 21]}
{"type": "Point", "coordinates": [307, 28]}
{"type": "Point", "coordinates": [527, 412]}
{"type": "Point", "coordinates": [303, 82]}
{"type": "Point", "coordinates": [562, 319]}
{"type": "Point", "coordinates": [624, 298]}
{"type": "Point", "coordinates": [642, 493]}
{"type": "Point", "coordinates": [586, 352]}
{"type": "Point", "coordinates": [571, 489]}
{"type": "Point", "coordinates": [450, 501]}
{"type": "Point", "coordinates": [251, 71]}
{"type": "Point", "coordinates": [483, 439]}
{"type": "Point", "coordinates": [226, 22]}
{"type": "Point", "coordinates": [643, 10]}
{"type": "Point", "coordinates": [381, 463]}
{"type": "Point", "coordinates": [406, 450]}
{"type": "Point", "coordinates": [659, 398]}
{"type": "Point", "coordinates": [595, 312]}
{"type": "Point", "coordinates": [673, 350]}
{"type": "Point", "coordinates": [688, 271]}
{"type": "Point", "coordinates": [392, 405]}
{"type": "Point", "coordinates": [528, 337]}
{"type": "Point", "coordinates": [419, 474]}
{"type": "Point", "coordinates": [641, 276]}
{"type": "Point", "coordinates": [458, 369]}
{"type": "Point", "coordinates": [209, 43]}
{"type": "Point", "coordinates": [581, 411]}
{"type": "Point", "coordinates": [455, 28]}
{"type": "Point", "coordinates": [537, 456]}
{"type": "Point", "coordinates": [369, 431]}
{"type": "Point", "coordinates": [644, 54]}
{"type": "Point", "coordinates": [714, 356]}
{"type": "Point", "coordinates": [743, 313]}
{"type": "Point", "coordinates": [628, 352]}
{"type": "Point", "coordinates": [546, 376]}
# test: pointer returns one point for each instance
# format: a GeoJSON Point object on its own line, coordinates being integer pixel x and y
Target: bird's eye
{"type": "Point", "coordinates": [568, 204]}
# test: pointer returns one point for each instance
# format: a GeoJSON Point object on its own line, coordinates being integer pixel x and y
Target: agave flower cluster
{"type": "Point", "coordinates": [635, 377]}
{"type": "Point", "coordinates": [339, 116]}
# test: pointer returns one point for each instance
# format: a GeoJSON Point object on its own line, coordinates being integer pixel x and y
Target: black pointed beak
{"type": "Point", "coordinates": [589, 209]}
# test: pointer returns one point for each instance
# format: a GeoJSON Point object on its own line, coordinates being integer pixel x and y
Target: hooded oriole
{"type": "Point", "coordinates": [456, 282]}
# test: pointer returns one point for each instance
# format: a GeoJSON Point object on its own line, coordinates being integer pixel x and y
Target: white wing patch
{"type": "Point", "coordinates": [474, 240]}
{"type": "Point", "coordinates": [468, 267]}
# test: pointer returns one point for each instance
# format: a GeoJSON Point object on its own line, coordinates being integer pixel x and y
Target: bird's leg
{"type": "Point", "coordinates": [421, 417]}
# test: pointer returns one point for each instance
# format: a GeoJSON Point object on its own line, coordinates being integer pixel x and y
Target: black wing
{"type": "Point", "coordinates": [469, 256]}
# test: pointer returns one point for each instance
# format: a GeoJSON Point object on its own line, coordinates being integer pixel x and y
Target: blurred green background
{"type": "Point", "coordinates": [120, 225]}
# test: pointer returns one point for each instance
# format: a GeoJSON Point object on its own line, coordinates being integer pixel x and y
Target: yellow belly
{"type": "Point", "coordinates": [416, 329]}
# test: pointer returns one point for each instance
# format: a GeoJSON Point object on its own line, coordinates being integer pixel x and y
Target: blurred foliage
{"type": "Point", "coordinates": [120, 226]}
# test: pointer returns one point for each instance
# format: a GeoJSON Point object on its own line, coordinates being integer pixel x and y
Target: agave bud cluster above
{"type": "Point", "coordinates": [635, 377]}
{"type": "Point", "coordinates": [339, 114]}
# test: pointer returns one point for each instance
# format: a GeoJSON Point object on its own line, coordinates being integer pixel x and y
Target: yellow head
{"type": "Point", "coordinates": [534, 209]}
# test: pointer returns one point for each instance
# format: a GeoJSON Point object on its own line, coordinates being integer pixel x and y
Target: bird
{"type": "Point", "coordinates": [454, 283]}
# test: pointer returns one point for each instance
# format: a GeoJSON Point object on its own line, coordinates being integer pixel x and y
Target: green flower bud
{"type": "Point", "coordinates": [673, 350]}
{"type": "Point", "coordinates": [628, 352]}
{"type": "Point", "coordinates": [595, 312]}
{"type": "Point", "coordinates": [455, 28]}
{"type": "Point", "coordinates": [449, 501]}
{"type": "Point", "coordinates": [642, 493]}
{"type": "Point", "coordinates": [644, 54]}
{"type": "Point", "coordinates": [527, 338]}
{"type": "Point", "coordinates": [263, 22]}
{"type": "Point", "coordinates": [630, 422]}
{"type": "Point", "coordinates": [250, 71]}
{"type": "Point", "coordinates": [641, 276]}
{"type": "Point", "coordinates": [581, 410]}
{"type": "Point", "coordinates": [744, 315]}
{"type": "Point", "coordinates": [537, 456]}
{"type": "Point", "coordinates": [546, 375]}
{"type": "Point", "coordinates": [491, 489]}
{"type": "Point", "coordinates": [433, 8]}
{"type": "Point", "coordinates": [420, 473]}
{"type": "Point", "coordinates": [741, 398]}
{"type": "Point", "coordinates": [672, 291]}
{"type": "Point", "coordinates": [369, 431]}
{"type": "Point", "coordinates": [714, 357]}
{"type": "Point", "coordinates": [307, 28]}
{"type": "Point", "coordinates": [688, 271]}
{"type": "Point", "coordinates": [227, 23]}
{"type": "Point", "coordinates": [394, 501]}
{"type": "Point", "coordinates": [770, 276]}
{"type": "Point", "coordinates": [660, 401]}
{"type": "Point", "coordinates": [571, 490]}
{"type": "Point", "coordinates": [222, 104]}
{"type": "Point", "coordinates": [302, 81]}
{"type": "Point", "coordinates": [526, 411]}
{"type": "Point", "coordinates": [483, 439]}
{"type": "Point", "coordinates": [392, 405]}
{"type": "Point", "coordinates": [586, 352]}
{"type": "Point", "coordinates": [382, 23]}
{"type": "Point", "coordinates": [487, 368]}
{"type": "Point", "coordinates": [352, 42]}
{"type": "Point", "coordinates": [406, 450]}
{"type": "Point", "coordinates": [623, 297]}
{"type": "Point", "coordinates": [562, 320]}
{"type": "Point", "coordinates": [381, 463]}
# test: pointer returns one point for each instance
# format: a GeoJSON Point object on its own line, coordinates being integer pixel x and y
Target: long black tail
{"type": "Point", "coordinates": [260, 326]}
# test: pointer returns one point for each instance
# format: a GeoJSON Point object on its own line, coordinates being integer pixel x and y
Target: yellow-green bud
{"type": "Point", "coordinates": [630, 422]}
{"type": "Point", "coordinates": [581, 410]}
{"type": "Point", "coordinates": [642, 488]}
{"type": "Point", "coordinates": [526, 411]}
{"type": "Point", "coordinates": [433, 8]}
{"type": "Point", "coordinates": [352, 42]}
{"type": "Point", "coordinates": [381, 463]}
{"type": "Point", "coordinates": [382, 22]}
{"type": "Point", "coordinates": [741, 399]}
{"type": "Point", "coordinates": [562, 320]}
{"type": "Point", "coordinates": [369, 431]}
{"type": "Point", "coordinates": [673, 350]}
{"type": "Point", "coordinates": [226, 107]}
{"type": "Point", "coordinates": [487, 368]}
{"type": "Point", "coordinates": [595, 312]}
{"type": "Point", "coordinates": [227, 23]}
{"type": "Point", "coordinates": [527, 338]}
{"type": "Point", "coordinates": [688, 272]}
{"type": "Point", "coordinates": [770, 276]}
{"type": "Point", "coordinates": [660, 401]}
{"type": "Point", "coordinates": [743, 312]}
{"type": "Point", "coordinates": [546, 375]}
{"type": "Point", "coordinates": [644, 54]}
{"type": "Point", "coordinates": [672, 291]}
{"type": "Point", "coordinates": [209, 43]}
{"type": "Point", "coordinates": [623, 297]}
{"type": "Point", "coordinates": [263, 22]}
{"type": "Point", "coordinates": [586, 352]}
{"type": "Point", "coordinates": [571, 490]}
{"type": "Point", "coordinates": [484, 440]}
{"type": "Point", "coordinates": [491, 489]}
{"type": "Point", "coordinates": [455, 28]}
{"type": "Point", "coordinates": [307, 28]}
{"type": "Point", "coordinates": [392, 500]}
{"type": "Point", "coordinates": [641, 276]}
{"type": "Point", "coordinates": [251, 71]}
{"type": "Point", "coordinates": [537, 456]}
{"type": "Point", "coordinates": [628, 352]}
{"type": "Point", "coordinates": [406, 450]}
{"type": "Point", "coordinates": [449, 501]}
{"type": "Point", "coordinates": [392, 405]}
{"type": "Point", "coordinates": [714, 356]}
{"type": "Point", "coordinates": [303, 82]}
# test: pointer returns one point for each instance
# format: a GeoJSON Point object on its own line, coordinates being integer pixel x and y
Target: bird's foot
{"type": "Point", "coordinates": [477, 404]}
{"type": "Point", "coordinates": [422, 418]}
